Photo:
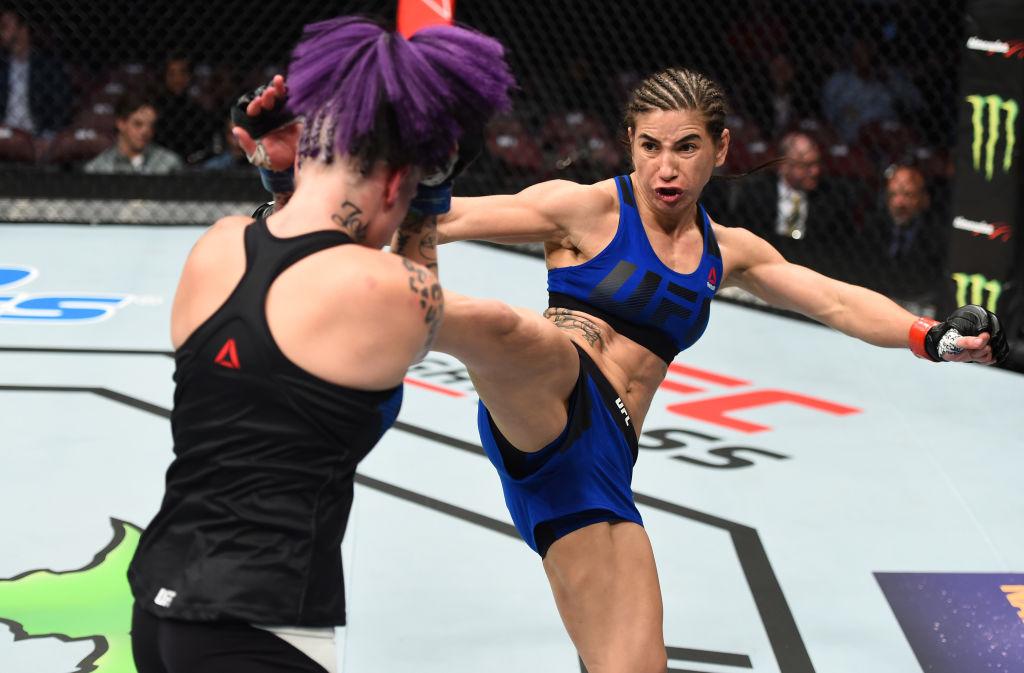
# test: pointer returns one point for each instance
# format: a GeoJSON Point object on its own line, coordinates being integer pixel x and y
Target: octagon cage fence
{"type": "Point", "coordinates": [786, 66]}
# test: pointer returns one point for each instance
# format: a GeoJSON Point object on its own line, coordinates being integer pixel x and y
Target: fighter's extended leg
{"type": "Point", "coordinates": [523, 367]}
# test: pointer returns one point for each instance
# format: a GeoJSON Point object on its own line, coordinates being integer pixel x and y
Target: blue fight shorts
{"type": "Point", "coordinates": [582, 477]}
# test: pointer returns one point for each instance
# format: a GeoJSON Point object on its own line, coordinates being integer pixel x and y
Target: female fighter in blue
{"type": "Point", "coordinates": [633, 264]}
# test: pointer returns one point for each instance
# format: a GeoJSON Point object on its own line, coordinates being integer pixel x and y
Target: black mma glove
{"type": "Point", "coordinates": [931, 339]}
{"type": "Point", "coordinates": [275, 182]}
{"type": "Point", "coordinates": [264, 122]}
{"type": "Point", "coordinates": [434, 194]}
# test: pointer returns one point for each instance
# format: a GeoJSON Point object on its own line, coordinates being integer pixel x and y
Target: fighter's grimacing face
{"type": "Point", "coordinates": [674, 155]}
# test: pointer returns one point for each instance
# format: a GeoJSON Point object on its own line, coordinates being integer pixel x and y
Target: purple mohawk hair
{"type": "Point", "coordinates": [370, 93]}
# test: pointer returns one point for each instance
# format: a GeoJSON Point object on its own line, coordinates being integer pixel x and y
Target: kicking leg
{"type": "Point", "coordinates": [522, 366]}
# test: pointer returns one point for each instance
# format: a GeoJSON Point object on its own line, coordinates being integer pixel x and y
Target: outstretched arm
{"type": "Point", "coordinates": [857, 311]}
{"type": "Point", "coordinates": [546, 213]}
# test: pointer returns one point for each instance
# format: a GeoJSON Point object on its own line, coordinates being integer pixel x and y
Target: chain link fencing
{"type": "Point", "coordinates": [871, 83]}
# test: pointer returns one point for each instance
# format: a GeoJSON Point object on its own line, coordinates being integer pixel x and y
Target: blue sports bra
{"type": "Point", "coordinates": [631, 289]}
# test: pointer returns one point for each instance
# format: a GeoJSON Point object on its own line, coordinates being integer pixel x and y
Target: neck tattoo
{"type": "Point", "coordinates": [349, 220]}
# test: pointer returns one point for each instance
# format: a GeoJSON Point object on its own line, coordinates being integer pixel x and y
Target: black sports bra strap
{"type": "Point", "coordinates": [289, 250]}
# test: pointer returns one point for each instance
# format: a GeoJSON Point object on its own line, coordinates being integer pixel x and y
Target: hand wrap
{"type": "Point", "coordinates": [434, 194]}
{"type": "Point", "coordinates": [278, 182]}
{"type": "Point", "coordinates": [931, 339]}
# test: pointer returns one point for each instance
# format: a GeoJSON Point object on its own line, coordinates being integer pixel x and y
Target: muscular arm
{"type": "Point", "coordinates": [757, 267]}
{"type": "Point", "coordinates": [547, 212]}
{"type": "Point", "coordinates": [428, 295]}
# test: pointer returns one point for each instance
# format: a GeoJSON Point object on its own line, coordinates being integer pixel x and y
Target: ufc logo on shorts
{"type": "Point", "coordinates": [622, 409]}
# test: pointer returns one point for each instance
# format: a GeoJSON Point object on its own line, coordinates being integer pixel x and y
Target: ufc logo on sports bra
{"type": "Point", "coordinates": [638, 300]}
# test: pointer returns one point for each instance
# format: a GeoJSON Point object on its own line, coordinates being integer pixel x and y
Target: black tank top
{"type": "Point", "coordinates": [259, 491]}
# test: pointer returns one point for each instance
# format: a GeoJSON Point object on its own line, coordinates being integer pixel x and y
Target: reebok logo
{"type": "Point", "coordinates": [712, 279]}
{"type": "Point", "coordinates": [165, 597]}
{"type": "Point", "coordinates": [622, 409]}
{"type": "Point", "coordinates": [228, 355]}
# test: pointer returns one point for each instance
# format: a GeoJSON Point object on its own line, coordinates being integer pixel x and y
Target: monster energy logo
{"type": "Point", "coordinates": [979, 285]}
{"type": "Point", "coordinates": [980, 148]}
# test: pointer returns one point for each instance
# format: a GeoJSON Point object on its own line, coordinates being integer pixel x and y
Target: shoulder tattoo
{"type": "Point", "coordinates": [428, 290]}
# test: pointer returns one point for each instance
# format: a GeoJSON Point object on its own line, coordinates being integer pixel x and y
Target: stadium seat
{"type": "Point", "coordinates": [509, 141]}
{"type": "Point", "coordinates": [106, 93]}
{"type": "Point", "coordinates": [889, 141]}
{"type": "Point", "coordinates": [934, 162]}
{"type": "Point", "coordinates": [848, 161]}
{"type": "Point", "coordinates": [129, 75]}
{"type": "Point", "coordinates": [577, 139]}
{"type": "Point", "coordinates": [116, 80]}
{"type": "Point", "coordinates": [98, 115]}
{"type": "Point", "coordinates": [747, 155]}
{"type": "Point", "coordinates": [821, 131]}
{"type": "Point", "coordinates": [77, 144]}
{"type": "Point", "coordinates": [16, 146]}
{"type": "Point", "coordinates": [748, 148]}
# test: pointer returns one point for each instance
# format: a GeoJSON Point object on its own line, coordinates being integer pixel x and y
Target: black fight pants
{"type": "Point", "coordinates": [174, 646]}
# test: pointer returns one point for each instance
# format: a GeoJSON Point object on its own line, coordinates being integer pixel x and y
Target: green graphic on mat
{"type": "Point", "coordinates": [91, 603]}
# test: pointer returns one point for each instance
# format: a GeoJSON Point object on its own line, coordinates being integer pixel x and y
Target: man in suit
{"type": "Point", "coordinates": [183, 126]}
{"type": "Point", "coordinates": [906, 242]}
{"type": "Point", "coordinates": [808, 218]}
{"type": "Point", "coordinates": [35, 95]}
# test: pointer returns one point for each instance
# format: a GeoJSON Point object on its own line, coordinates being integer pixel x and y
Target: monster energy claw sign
{"type": "Point", "coordinates": [992, 116]}
{"type": "Point", "coordinates": [988, 182]}
{"type": "Point", "coordinates": [974, 288]}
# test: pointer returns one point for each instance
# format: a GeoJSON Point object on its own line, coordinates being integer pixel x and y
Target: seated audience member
{"type": "Point", "coordinates": [869, 89]}
{"type": "Point", "coordinates": [183, 126]}
{"type": "Point", "coordinates": [133, 150]}
{"type": "Point", "coordinates": [904, 243]}
{"type": "Point", "coordinates": [808, 218]}
{"type": "Point", "coordinates": [228, 155]}
{"type": "Point", "coordinates": [776, 99]}
{"type": "Point", "coordinates": [35, 94]}
{"type": "Point", "coordinates": [856, 94]}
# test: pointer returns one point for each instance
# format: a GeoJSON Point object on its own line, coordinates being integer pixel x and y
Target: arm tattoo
{"type": "Point", "coordinates": [414, 222]}
{"type": "Point", "coordinates": [422, 230]}
{"type": "Point", "coordinates": [428, 250]}
{"type": "Point", "coordinates": [566, 319]}
{"type": "Point", "coordinates": [401, 240]}
{"type": "Point", "coordinates": [428, 290]}
{"type": "Point", "coordinates": [351, 222]}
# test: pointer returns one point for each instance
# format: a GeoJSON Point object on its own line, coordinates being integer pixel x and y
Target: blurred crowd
{"type": "Point", "coordinates": [863, 192]}
{"type": "Point", "coordinates": [127, 118]}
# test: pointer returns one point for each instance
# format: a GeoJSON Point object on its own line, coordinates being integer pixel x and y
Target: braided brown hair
{"type": "Point", "coordinates": [679, 89]}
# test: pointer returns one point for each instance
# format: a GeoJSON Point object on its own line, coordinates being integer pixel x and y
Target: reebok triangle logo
{"type": "Point", "coordinates": [712, 280]}
{"type": "Point", "coordinates": [228, 355]}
